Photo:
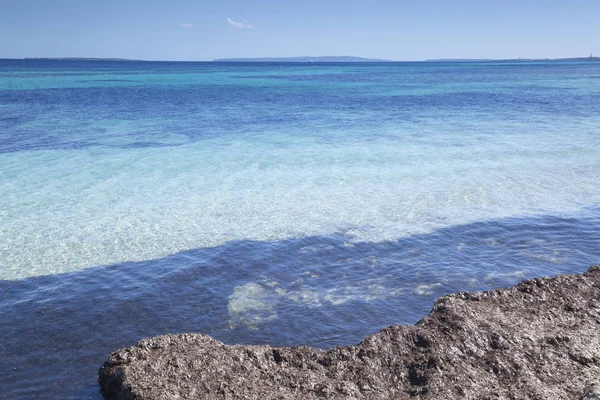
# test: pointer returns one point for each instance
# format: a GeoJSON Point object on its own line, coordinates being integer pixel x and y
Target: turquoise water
{"type": "Point", "coordinates": [250, 201]}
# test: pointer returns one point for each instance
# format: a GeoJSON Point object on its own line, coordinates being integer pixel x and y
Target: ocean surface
{"type": "Point", "coordinates": [289, 204]}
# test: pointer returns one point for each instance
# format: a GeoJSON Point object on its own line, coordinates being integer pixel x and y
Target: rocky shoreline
{"type": "Point", "coordinates": [539, 339]}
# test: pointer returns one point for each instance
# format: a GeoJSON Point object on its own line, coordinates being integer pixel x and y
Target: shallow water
{"type": "Point", "coordinates": [282, 204]}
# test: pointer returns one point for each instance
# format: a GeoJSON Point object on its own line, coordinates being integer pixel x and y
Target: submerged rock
{"type": "Point", "coordinates": [537, 340]}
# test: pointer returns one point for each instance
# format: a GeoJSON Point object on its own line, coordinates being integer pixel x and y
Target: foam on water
{"type": "Point", "coordinates": [249, 306]}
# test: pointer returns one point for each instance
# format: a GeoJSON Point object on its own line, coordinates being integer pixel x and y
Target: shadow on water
{"type": "Point", "coordinates": [321, 291]}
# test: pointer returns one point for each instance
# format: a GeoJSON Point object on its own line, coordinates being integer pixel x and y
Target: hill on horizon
{"type": "Point", "coordinates": [303, 59]}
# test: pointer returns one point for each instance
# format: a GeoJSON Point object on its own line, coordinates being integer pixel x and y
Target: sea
{"type": "Point", "coordinates": [276, 203]}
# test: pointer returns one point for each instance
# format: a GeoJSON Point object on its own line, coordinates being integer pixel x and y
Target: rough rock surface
{"type": "Point", "coordinates": [537, 340]}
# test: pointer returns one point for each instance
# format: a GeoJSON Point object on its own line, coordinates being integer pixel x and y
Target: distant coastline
{"type": "Point", "coordinates": [322, 59]}
{"type": "Point", "coordinates": [459, 59]}
{"type": "Point", "coordinates": [303, 59]}
{"type": "Point", "coordinates": [80, 59]}
{"type": "Point", "coordinates": [512, 59]}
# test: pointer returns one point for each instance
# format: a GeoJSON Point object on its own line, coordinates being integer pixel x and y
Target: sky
{"type": "Point", "coordinates": [204, 30]}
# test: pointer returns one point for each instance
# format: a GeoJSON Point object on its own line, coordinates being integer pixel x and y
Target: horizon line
{"type": "Point", "coordinates": [250, 59]}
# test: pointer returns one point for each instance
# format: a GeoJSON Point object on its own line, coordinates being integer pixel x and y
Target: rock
{"type": "Point", "coordinates": [537, 340]}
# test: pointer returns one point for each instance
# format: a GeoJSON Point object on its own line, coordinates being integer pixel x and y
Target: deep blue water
{"type": "Point", "coordinates": [276, 203]}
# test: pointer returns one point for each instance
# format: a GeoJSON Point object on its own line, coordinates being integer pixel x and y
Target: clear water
{"type": "Point", "coordinates": [279, 203]}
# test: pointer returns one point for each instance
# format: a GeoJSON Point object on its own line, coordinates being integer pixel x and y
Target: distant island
{"type": "Point", "coordinates": [303, 59]}
{"type": "Point", "coordinates": [80, 59]}
{"type": "Point", "coordinates": [590, 58]}
{"type": "Point", "coordinates": [459, 60]}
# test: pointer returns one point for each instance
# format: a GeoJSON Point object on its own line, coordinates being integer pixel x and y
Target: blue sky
{"type": "Point", "coordinates": [205, 30]}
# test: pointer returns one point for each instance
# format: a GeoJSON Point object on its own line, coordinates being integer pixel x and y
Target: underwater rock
{"type": "Point", "coordinates": [537, 340]}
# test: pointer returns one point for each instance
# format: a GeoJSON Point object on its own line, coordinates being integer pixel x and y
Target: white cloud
{"type": "Point", "coordinates": [239, 25]}
{"type": "Point", "coordinates": [186, 25]}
